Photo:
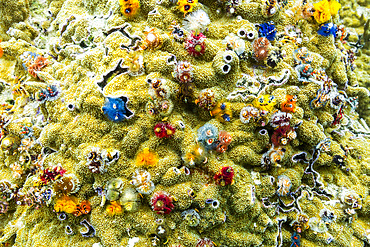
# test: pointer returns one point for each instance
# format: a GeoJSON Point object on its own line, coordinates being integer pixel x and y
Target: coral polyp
{"type": "Point", "coordinates": [51, 174]}
{"type": "Point", "coordinates": [205, 242]}
{"type": "Point", "coordinates": [116, 109]}
{"type": "Point", "coordinates": [289, 104]}
{"type": "Point", "coordinates": [98, 159]}
{"type": "Point", "coordinates": [82, 208]}
{"type": "Point", "coordinates": [208, 135]}
{"type": "Point", "coordinates": [135, 63]}
{"type": "Point", "coordinates": [235, 44]}
{"type": "Point", "coordinates": [194, 44]}
{"type": "Point", "coordinates": [177, 32]}
{"type": "Point", "coordinates": [284, 184]}
{"type": "Point", "coordinates": [265, 102]}
{"type": "Point", "coordinates": [328, 29]}
{"type": "Point", "coordinates": [130, 200]}
{"type": "Point", "coordinates": [325, 9]}
{"type": "Point", "coordinates": [161, 202]}
{"type": "Point", "coordinates": [152, 39]}
{"type": "Point", "coordinates": [142, 181]}
{"type": "Point", "coordinates": [249, 112]}
{"type": "Point", "coordinates": [114, 209]}
{"type": "Point", "coordinates": [35, 66]}
{"type": "Point", "coordinates": [164, 130]}
{"type": "Point", "coordinates": [66, 204]}
{"type": "Point", "coordinates": [67, 184]}
{"type": "Point", "coordinates": [222, 112]}
{"type": "Point", "coordinates": [224, 140]}
{"type": "Point", "coordinates": [129, 8]}
{"type": "Point", "coordinates": [283, 135]}
{"type": "Point", "coordinates": [225, 176]}
{"type": "Point", "coordinates": [279, 119]}
{"type": "Point", "coordinates": [196, 155]}
{"type": "Point", "coordinates": [261, 48]}
{"type": "Point", "coordinates": [196, 21]}
{"type": "Point", "coordinates": [206, 99]}
{"type": "Point", "coordinates": [186, 6]}
{"type": "Point", "coordinates": [267, 30]}
{"type": "Point", "coordinates": [183, 72]}
{"type": "Point", "coordinates": [191, 217]}
{"type": "Point", "coordinates": [146, 158]}
{"type": "Point", "coordinates": [273, 157]}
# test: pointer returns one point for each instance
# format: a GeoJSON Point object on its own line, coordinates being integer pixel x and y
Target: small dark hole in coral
{"type": "Point", "coordinates": [263, 132]}
{"type": "Point", "coordinates": [71, 107]}
{"type": "Point", "coordinates": [226, 68]}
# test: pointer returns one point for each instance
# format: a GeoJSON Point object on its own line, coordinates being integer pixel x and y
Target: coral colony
{"type": "Point", "coordinates": [184, 123]}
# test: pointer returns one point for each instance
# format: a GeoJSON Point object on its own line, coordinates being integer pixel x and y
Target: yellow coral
{"type": "Point", "coordinates": [114, 209]}
{"type": "Point", "coordinates": [196, 155]}
{"type": "Point", "coordinates": [334, 7]}
{"type": "Point", "coordinates": [325, 9]}
{"type": "Point", "coordinates": [322, 11]}
{"type": "Point", "coordinates": [129, 8]}
{"type": "Point", "coordinates": [186, 6]}
{"type": "Point", "coordinates": [146, 158]}
{"type": "Point", "coordinates": [65, 204]}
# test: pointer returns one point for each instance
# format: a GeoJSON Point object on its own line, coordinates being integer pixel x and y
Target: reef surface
{"type": "Point", "coordinates": [184, 123]}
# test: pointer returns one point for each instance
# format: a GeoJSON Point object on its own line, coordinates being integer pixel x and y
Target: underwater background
{"type": "Point", "coordinates": [185, 123]}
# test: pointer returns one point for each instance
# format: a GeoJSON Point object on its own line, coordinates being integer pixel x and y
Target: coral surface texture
{"type": "Point", "coordinates": [185, 123]}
